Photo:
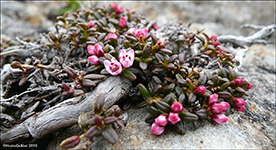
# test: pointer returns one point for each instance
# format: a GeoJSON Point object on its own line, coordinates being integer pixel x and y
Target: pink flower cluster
{"type": "Point", "coordinates": [126, 60]}
{"type": "Point", "coordinates": [217, 108]}
{"type": "Point", "coordinates": [117, 9]}
{"type": "Point", "coordinates": [158, 127]}
{"type": "Point", "coordinates": [138, 32]}
{"type": "Point", "coordinates": [96, 52]}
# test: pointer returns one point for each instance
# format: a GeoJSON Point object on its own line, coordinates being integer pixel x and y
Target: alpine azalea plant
{"type": "Point", "coordinates": [177, 87]}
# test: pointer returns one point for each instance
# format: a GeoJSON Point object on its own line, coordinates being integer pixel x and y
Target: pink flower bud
{"type": "Point", "coordinates": [161, 120]}
{"type": "Point", "coordinates": [94, 60]}
{"type": "Point", "coordinates": [250, 85]}
{"type": "Point", "coordinates": [224, 105]}
{"type": "Point", "coordinates": [219, 118]}
{"type": "Point", "coordinates": [238, 102]}
{"type": "Point", "coordinates": [216, 108]}
{"type": "Point", "coordinates": [122, 22]}
{"type": "Point", "coordinates": [212, 99]}
{"type": "Point", "coordinates": [156, 129]}
{"type": "Point", "coordinates": [213, 37]}
{"type": "Point", "coordinates": [111, 35]}
{"type": "Point", "coordinates": [174, 118]}
{"type": "Point", "coordinates": [131, 30]}
{"type": "Point", "coordinates": [90, 50]}
{"type": "Point", "coordinates": [91, 24]}
{"type": "Point", "coordinates": [113, 67]}
{"type": "Point", "coordinates": [217, 43]}
{"type": "Point", "coordinates": [177, 107]}
{"type": "Point", "coordinates": [200, 90]}
{"type": "Point", "coordinates": [126, 58]}
{"type": "Point", "coordinates": [154, 26]}
{"type": "Point", "coordinates": [140, 32]}
{"type": "Point", "coordinates": [237, 81]}
{"type": "Point", "coordinates": [97, 50]}
{"type": "Point", "coordinates": [242, 108]}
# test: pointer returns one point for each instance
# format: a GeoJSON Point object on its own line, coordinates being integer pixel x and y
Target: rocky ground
{"type": "Point", "coordinates": [253, 129]}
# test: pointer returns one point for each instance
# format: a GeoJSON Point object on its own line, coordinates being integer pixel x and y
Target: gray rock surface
{"type": "Point", "coordinates": [253, 129]}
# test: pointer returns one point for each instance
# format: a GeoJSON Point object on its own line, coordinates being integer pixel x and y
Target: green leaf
{"type": "Point", "coordinates": [110, 135]}
{"type": "Point", "coordinates": [98, 103]}
{"type": "Point", "coordinates": [143, 90]}
{"type": "Point", "coordinates": [129, 75]}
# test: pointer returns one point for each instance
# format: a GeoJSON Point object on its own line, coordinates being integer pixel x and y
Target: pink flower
{"type": "Point", "coordinates": [212, 99]}
{"type": "Point", "coordinates": [122, 22]}
{"type": "Point", "coordinates": [140, 32]}
{"type": "Point", "coordinates": [91, 24]}
{"type": "Point", "coordinates": [238, 104]}
{"type": "Point", "coordinates": [111, 35]}
{"type": "Point", "coordinates": [161, 120]}
{"type": "Point", "coordinates": [156, 129]}
{"type": "Point", "coordinates": [237, 81]}
{"type": "Point", "coordinates": [200, 90]}
{"type": "Point", "coordinates": [94, 60]}
{"type": "Point", "coordinates": [154, 26]}
{"type": "Point", "coordinates": [224, 105]}
{"type": "Point", "coordinates": [213, 38]}
{"type": "Point", "coordinates": [216, 108]}
{"type": "Point", "coordinates": [131, 30]}
{"type": "Point", "coordinates": [126, 58]}
{"type": "Point", "coordinates": [113, 67]}
{"type": "Point", "coordinates": [97, 50]}
{"type": "Point", "coordinates": [250, 85]}
{"type": "Point", "coordinates": [177, 107]}
{"type": "Point", "coordinates": [219, 118]}
{"type": "Point", "coordinates": [174, 118]}
{"type": "Point", "coordinates": [217, 43]}
{"type": "Point", "coordinates": [117, 9]}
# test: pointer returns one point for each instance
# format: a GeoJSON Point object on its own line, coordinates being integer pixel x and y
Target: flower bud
{"type": "Point", "coordinates": [94, 60]}
{"type": "Point", "coordinates": [161, 120]}
{"type": "Point", "coordinates": [212, 99]}
{"type": "Point", "coordinates": [156, 129]}
{"type": "Point", "coordinates": [122, 22]}
{"type": "Point", "coordinates": [219, 118]}
{"type": "Point", "coordinates": [154, 26]}
{"type": "Point", "coordinates": [250, 85]}
{"type": "Point", "coordinates": [174, 118]}
{"type": "Point", "coordinates": [91, 24]}
{"type": "Point", "coordinates": [242, 108]}
{"type": "Point", "coordinates": [237, 82]}
{"type": "Point", "coordinates": [217, 43]}
{"type": "Point", "coordinates": [224, 105]}
{"type": "Point", "coordinates": [200, 90]}
{"type": "Point", "coordinates": [213, 37]}
{"type": "Point", "coordinates": [216, 108]}
{"type": "Point", "coordinates": [109, 35]}
{"type": "Point", "coordinates": [177, 107]}
{"type": "Point", "coordinates": [238, 102]}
